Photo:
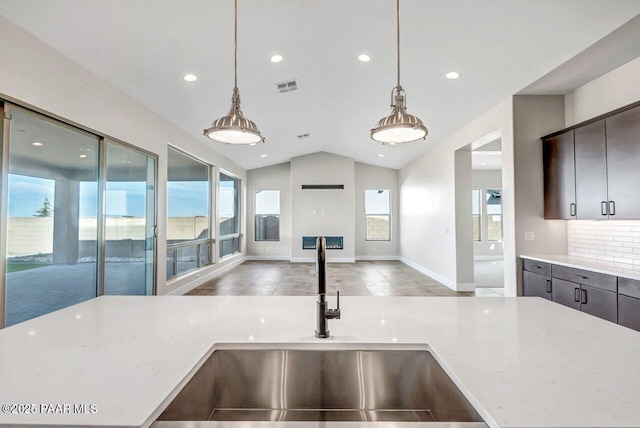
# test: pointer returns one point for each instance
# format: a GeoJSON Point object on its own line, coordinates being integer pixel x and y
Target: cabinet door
{"type": "Point", "coordinates": [602, 304]}
{"type": "Point", "coordinates": [559, 177]}
{"type": "Point", "coordinates": [591, 171]}
{"type": "Point", "coordinates": [534, 285]}
{"type": "Point", "coordinates": [566, 293]}
{"type": "Point", "coordinates": [629, 312]}
{"type": "Point", "coordinates": [623, 164]}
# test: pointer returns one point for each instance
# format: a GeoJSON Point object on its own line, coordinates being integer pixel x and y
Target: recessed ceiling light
{"type": "Point", "coordinates": [83, 156]}
{"type": "Point", "coordinates": [37, 144]}
{"type": "Point", "coordinates": [453, 75]}
{"type": "Point", "coordinates": [276, 58]}
{"type": "Point", "coordinates": [380, 155]}
{"type": "Point", "coordinates": [483, 163]}
{"type": "Point", "coordinates": [190, 77]}
{"type": "Point", "coordinates": [364, 58]}
{"type": "Point", "coordinates": [263, 156]}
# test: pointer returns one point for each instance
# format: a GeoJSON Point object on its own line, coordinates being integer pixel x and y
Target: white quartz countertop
{"type": "Point", "coordinates": [520, 361]}
{"type": "Point", "coordinates": [610, 268]}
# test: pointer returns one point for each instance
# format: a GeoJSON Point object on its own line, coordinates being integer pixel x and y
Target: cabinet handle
{"type": "Point", "coordinates": [572, 209]}
{"type": "Point", "coordinates": [603, 207]}
{"type": "Point", "coordinates": [576, 295]}
{"type": "Point", "coordinates": [548, 286]}
{"type": "Point", "coordinates": [612, 208]}
{"type": "Point", "coordinates": [584, 296]}
{"type": "Point", "coordinates": [580, 276]}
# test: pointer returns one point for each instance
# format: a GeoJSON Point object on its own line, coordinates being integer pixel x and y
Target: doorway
{"type": "Point", "coordinates": [486, 195]}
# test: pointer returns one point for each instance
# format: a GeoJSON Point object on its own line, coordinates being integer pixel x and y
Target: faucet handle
{"type": "Point", "coordinates": [337, 310]}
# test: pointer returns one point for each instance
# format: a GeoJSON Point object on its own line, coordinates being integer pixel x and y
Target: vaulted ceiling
{"type": "Point", "coordinates": [145, 47]}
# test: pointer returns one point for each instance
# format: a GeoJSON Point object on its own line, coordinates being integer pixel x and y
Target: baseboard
{"type": "Point", "coordinates": [373, 258]}
{"type": "Point", "coordinates": [500, 257]}
{"type": "Point", "coordinates": [329, 260]}
{"type": "Point", "coordinates": [204, 278]}
{"type": "Point", "coordinates": [444, 280]}
{"type": "Point", "coordinates": [267, 258]}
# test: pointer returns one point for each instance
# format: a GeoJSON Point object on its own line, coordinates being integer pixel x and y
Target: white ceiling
{"type": "Point", "coordinates": [144, 47]}
{"type": "Point", "coordinates": [486, 160]}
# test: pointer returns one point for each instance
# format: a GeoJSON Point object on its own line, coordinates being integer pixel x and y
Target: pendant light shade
{"type": "Point", "coordinates": [234, 128]}
{"type": "Point", "coordinates": [399, 126]}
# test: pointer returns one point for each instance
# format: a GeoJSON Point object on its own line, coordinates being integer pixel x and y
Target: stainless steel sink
{"type": "Point", "coordinates": [319, 384]}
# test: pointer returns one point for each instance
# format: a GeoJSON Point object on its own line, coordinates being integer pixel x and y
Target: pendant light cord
{"type": "Point", "coordinates": [397, 37]}
{"type": "Point", "coordinates": [235, 44]}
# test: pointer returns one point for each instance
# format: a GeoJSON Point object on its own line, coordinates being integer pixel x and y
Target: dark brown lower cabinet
{"type": "Point", "coordinates": [566, 293]}
{"type": "Point", "coordinates": [536, 285]}
{"type": "Point", "coordinates": [629, 312]}
{"type": "Point", "coordinates": [600, 303]}
{"type": "Point", "coordinates": [591, 300]}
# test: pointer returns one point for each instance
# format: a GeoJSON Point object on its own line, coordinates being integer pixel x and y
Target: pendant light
{"type": "Point", "coordinates": [234, 128]}
{"type": "Point", "coordinates": [399, 126]}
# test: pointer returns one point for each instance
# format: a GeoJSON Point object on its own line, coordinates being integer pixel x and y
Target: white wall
{"type": "Point", "coordinates": [483, 180]}
{"type": "Point", "coordinates": [34, 74]}
{"type": "Point", "coordinates": [369, 177]}
{"type": "Point", "coordinates": [323, 212]}
{"type": "Point", "coordinates": [275, 177]}
{"type": "Point", "coordinates": [427, 189]}
{"type": "Point", "coordinates": [613, 90]}
{"type": "Point", "coordinates": [533, 117]}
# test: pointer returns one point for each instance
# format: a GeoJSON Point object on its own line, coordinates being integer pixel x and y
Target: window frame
{"type": "Point", "coordinates": [255, 215]}
{"type": "Point", "coordinates": [173, 249]}
{"type": "Point", "coordinates": [238, 201]}
{"type": "Point", "coordinates": [479, 215]}
{"type": "Point", "coordinates": [366, 215]}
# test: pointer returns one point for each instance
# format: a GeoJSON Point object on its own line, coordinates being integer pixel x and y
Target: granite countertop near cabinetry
{"type": "Point", "coordinates": [610, 268]}
{"type": "Point", "coordinates": [520, 361]}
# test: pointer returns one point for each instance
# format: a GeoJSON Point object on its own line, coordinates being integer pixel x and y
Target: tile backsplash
{"type": "Point", "coordinates": [610, 240]}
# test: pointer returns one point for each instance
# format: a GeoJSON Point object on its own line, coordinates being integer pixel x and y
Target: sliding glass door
{"type": "Point", "coordinates": [78, 217]}
{"type": "Point", "coordinates": [51, 241]}
{"type": "Point", "coordinates": [129, 222]}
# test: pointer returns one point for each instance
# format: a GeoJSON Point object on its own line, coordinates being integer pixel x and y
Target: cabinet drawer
{"type": "Point", "coordinates": [594, 279]}
{"type": "Point", "coordinates": [629, 312]}
{"type": "Point", "coordinates": [629, 287]}
{"type": "Point", "coordinates": [536, 267]}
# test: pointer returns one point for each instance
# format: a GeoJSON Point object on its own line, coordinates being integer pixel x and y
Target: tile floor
{"type": "Point", "coordinates": [379, 278]}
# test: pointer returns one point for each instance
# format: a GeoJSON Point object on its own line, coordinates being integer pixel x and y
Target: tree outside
{"type": "Point", "coordinates": [45, 211]}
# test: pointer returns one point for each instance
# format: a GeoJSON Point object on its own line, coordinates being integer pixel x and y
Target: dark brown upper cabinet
{"type": "Point", "coordinates": [591, 171]}
{"type": "Point", "coordinates": [623, 164]}
{"type": "Point", "coordinates": [600, 158]}
{"type": "Point", "coordinates": [559, 177]}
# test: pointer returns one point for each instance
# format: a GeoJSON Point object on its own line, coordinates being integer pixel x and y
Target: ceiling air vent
{"type": "Point", "coordinates": [287, 86]}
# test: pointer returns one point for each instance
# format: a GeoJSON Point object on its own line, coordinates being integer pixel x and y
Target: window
{"type": "Point", "coordinates": [188, 207]}
{"type": "Point", "coordinates": [494, 214]}
{"type": "Point", "coordinates": [377, 210]}
{"type": "Point", "coordinates": [476, 213]}
{"type": "Point", "coordinates": [267, 215]}
{"type": "Point", "coordinates": [229, 219]}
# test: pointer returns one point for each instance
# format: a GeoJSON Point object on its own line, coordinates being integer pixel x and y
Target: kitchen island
{"type": "Point", "coordinates": [519, 361]}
